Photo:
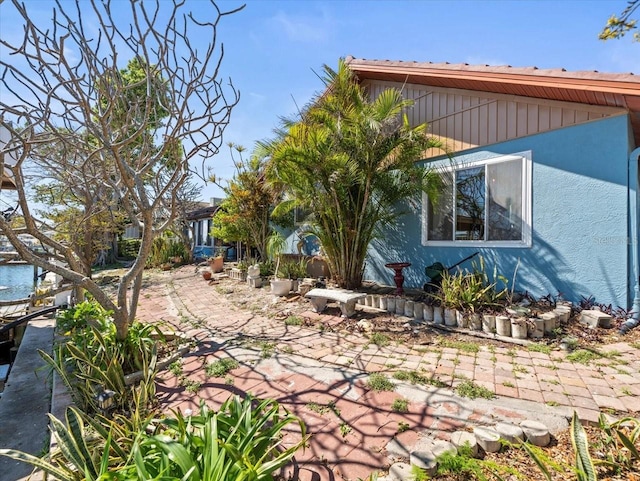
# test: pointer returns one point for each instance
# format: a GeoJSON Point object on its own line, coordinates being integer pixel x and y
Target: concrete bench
{"type": "Point", "coordinates": [346, 299]}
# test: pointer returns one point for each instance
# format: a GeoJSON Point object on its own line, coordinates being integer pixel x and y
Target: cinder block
{"type": "Point", "coordinates": [595, 318]}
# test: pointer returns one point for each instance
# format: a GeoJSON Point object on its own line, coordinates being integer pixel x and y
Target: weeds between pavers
{"type": "Point", "coordinates": [472, 390]}
{"type": "Point", "coordinates": [416, 378]}
{"type": "Point", "coordinates": [221, 367]}
{"type": "Point", "coordinates": [380, 382]}
{"type": "Point", "coordinates": [400, 405]}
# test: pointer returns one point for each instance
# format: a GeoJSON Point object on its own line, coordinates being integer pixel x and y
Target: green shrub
{"type": "Point", "coordinates": [241, 441]}
{"type": "Point", "coordinates": [129, 248]}
{"type": "Point", "coordinates": [90, 360]}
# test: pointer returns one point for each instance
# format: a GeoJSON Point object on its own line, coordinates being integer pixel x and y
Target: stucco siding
{"type": "Point", "coordinates": [579, 218]}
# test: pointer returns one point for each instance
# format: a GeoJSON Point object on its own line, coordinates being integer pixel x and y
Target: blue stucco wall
{"type": "Point", "coordinates": [579, 219]}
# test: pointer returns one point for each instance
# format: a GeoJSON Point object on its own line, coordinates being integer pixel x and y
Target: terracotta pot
{"type": "Point", "coordinates": [216, 264]}
{"type": "Point", "coordinates": [206, 275]}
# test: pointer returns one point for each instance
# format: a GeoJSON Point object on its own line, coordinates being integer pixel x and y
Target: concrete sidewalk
{"type": "Point", "coordinates": [26, 401]}
{"type": "Point", "coordinates": [359, 432]}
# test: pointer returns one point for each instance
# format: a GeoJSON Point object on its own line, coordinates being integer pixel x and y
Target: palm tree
{"type": "Point", "coordinates": [349, 161]}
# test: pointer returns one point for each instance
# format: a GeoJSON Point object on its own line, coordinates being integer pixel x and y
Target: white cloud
{"type": "Point", "coordinates": [304, 28]}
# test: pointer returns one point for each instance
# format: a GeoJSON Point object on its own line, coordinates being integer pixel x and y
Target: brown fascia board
{"type": "Point", "coordinates": [624, 84]}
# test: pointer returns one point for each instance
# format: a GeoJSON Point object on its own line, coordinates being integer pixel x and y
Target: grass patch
{"type": "Point", "coordinates": [175, 368]}
{"type": "Point", "coordinates": [221, 367]}
{"type": "Point", "coordinates": [345, 429]}
{"type": "Point", "coordinates": [380, 382]}
{"type": "Point", "coordinates": [521, 369]}
{"type": "Point", "coordinates": [544, 348]}
{"type": "Point", "coordinates": [416, 378]}
{"type": "Point", "coordinates": [293, 321]}
{"type": "Point", "coordinates": [473, 391]}
{"type": "Point", "coordinates": [266, 349]}
{"type": "Point", "coordinates": [402, 427]}
{"type": "Point", "coordinates": [585, 356]}
{"type": "Point", "coordinates": [464, 346]}
{"type": "Point", "coordinates": [508, 384]}
{"type": "Point", "coordinates": [323, 409]}
{"type": "Point", "coordinates": [379, 339]}
{"type": "Point", "coordinates": [191, 386]}
{"type": "Point", "coordinates": [400, 405]}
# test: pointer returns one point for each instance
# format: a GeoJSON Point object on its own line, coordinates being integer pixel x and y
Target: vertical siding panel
{"type": "Point", "coordinates": [415, 110]}
{"type": "Point", "coordinates": [457, 122]}
{"type": "Point", "coordinates": [543, 118]}
{"type": "Point", "coordinates": [556, 118]}
{"type": "Point", "coordinates": [436, 105]}
{"type": "Point", "coordinates": [581, 116]}
{"type": "Point", "coordinates": [521, 115]}
{"type": "Point", "coordinates": [465, 136]}
{"type": "Point", "coordinates": [501, 113]}
{"type": "Point", "coordinates": [568, 117]}
{"type": "Point", "coordinates": [532, 119]}
{"type": "Point", "coordinates": [484, 124]}
{"type": "Point", "coordinates": [474, 131]}
{"type": "Point", "coordinates": [492, 123]}
{"type": "Point", "coordinates": [450, 123]}
{"type": "Point", "coordinates": [512, 119]}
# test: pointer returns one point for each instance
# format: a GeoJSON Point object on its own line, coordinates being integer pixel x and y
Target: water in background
{"type": "Point", "coordinates": [16, 281]}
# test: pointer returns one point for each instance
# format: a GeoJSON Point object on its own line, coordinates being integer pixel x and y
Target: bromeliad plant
{"type": "Point", "coordinates": [471, 291]}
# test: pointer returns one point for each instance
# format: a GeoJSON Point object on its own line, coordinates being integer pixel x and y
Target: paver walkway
{"type": "Point", "coordinates": [307, 369]}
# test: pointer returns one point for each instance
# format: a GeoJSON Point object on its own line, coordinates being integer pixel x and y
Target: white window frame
{"type": "Point", "coordinates": [526, 205]}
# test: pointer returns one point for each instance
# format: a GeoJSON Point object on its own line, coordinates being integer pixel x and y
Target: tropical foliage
{"type": "Point", "coordinates": [245, 213]}
{"type": "Point", "coordinates": [241, 441]}
{"type": "Point", "coordinates": [350, 161]}
{"type": "Point", "coordinates": [91, 360]}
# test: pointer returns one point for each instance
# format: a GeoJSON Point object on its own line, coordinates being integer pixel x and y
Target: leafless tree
{"type": "Point", "coordinates": [61, 84]}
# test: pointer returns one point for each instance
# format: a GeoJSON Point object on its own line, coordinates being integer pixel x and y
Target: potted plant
{"type": "Point", "coordinates": [239, 272]}
{"type": "Point", "coordinates": [295, 271]}
{"type": "Point", "coordinates": [275, 246]}
{"type": "Point", "coordinates": [216, 262]}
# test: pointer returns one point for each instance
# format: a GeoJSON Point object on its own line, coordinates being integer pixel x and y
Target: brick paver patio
{"type": "Point", "coordinates": [303, 367]}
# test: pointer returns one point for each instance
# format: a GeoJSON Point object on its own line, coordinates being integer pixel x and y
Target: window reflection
{"type": "Point", "coordinates": [470, 195]}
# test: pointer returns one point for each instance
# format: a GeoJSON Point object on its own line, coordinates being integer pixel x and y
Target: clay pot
{"type": "Point", "coordinates": [206, 275]}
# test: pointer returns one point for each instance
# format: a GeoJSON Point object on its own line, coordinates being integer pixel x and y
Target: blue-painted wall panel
{"type": "Point", "coordinates": [579, 219]}
{"type": "Point", "coordinates": [579, 226]}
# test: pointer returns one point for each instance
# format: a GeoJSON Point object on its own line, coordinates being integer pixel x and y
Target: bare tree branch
{"type": "Point", "coordinates": [71, 115]}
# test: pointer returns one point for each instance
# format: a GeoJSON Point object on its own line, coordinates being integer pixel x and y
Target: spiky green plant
{"type": "Point", "coordinates": [349, 161]}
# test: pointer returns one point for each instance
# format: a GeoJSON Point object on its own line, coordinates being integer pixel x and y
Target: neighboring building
{"type": "Point", "coordinates": [543, 176]}
{"type": "Point", "coordinates": [200, 222]}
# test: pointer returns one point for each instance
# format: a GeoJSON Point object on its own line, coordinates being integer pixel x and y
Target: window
{"type": "Point", "coordinates": [486, 202]}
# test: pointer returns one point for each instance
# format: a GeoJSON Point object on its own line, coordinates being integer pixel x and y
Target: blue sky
{"type": "Point", "coordinates": [273, 49]}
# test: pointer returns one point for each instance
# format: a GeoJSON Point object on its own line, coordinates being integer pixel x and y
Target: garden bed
{"type": "Point", "coordinates": [400, 328]}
